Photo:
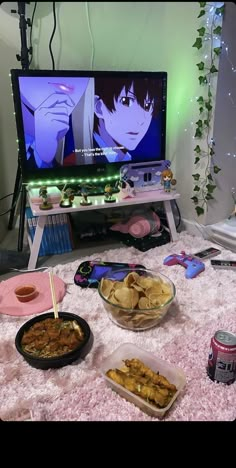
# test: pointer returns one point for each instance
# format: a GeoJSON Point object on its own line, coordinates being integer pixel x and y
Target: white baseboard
{"type": "Point", "coordinates": [195, 229]}
{"type": "Point", "coordinates": [222, 233]}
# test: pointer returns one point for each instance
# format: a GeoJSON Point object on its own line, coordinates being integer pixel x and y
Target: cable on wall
{"type": "Point", "coordinates": [90, 34]}
{"type": "Point", "coordinates": [31, 25]}
{"type": "Point", "coordinates": [53, 33]}
{"type": "Point", "coordinates": [12, 207]}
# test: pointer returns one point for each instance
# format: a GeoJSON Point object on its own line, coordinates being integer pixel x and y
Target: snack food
{"type": "Point", "coordinates": [142, 381]}
{"type": "Point", "coordinates": [139, 301]}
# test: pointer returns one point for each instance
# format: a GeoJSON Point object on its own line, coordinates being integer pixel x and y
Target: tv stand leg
{"type": "Point", "coordinates": [170, 219]}
{"type": "Point", "coordinates": [22, 219]}
{"type": "Point", "coordinates": [36, 242]}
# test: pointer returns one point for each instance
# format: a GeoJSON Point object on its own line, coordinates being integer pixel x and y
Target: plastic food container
{"type": "Point", "coordinates": [174, 374]}
{"type": "Point", "coordinates": [26, 292]}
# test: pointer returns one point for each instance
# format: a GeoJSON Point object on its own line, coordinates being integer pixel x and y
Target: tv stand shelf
{"type": "Point", "coordinates": [98, 202]}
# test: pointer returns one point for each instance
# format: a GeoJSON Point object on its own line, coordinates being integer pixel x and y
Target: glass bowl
{"type": "Point", "coordinates": [139, 300]}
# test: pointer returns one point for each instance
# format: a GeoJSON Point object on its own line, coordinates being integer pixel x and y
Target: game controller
{"type": "Point", "coordinates": [194, 266]}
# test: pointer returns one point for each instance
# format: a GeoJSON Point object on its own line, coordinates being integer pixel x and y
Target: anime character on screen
{"type": "Point", "coordinates": [51, 106]}
{"type": "Point", "coordinates": [124, 109]}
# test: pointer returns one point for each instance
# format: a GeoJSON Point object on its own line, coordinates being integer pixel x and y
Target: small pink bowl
{"type": "Point", "coordinates": [26, 292]}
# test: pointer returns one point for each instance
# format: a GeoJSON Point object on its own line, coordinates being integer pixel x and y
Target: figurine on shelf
{"type": "Point", "coordinates": [67, 198]}
{"type": "Point", "coordinates": [84, 191]}
{"type": "Point", "coordinates": [167, 179]}
{"type": "Point", "coordinates": [43, 193]}
{"type": "Point", "coordinates": [108, 192]}
{"type": "Point", "coordinates": [126, 189]}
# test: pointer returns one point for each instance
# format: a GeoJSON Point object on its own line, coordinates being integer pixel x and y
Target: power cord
{"type": "Point", "coordinates": [12, 207]}
{"type": "Point", "coordinates": [90, 33]}
{"type": "Point", "coordinates": [53, 33]}
{"type": "Point", "coordinates": [31, 31]}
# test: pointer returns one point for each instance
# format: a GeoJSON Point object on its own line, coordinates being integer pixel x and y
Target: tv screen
{"type": "Point", "coordinates": [82, 125]}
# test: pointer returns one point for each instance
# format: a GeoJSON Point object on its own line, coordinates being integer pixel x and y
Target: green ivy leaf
{"type": "Point", "coordinates": [220, 10]}
{"type": "Point", "coordinates": [198, 133]}
{"type": "Point", "coordinates": [202, 13]}
{"type": "Point", "coordinates": [202, 4]}
{"type": "Point", "coordinates": [213, 69]}
{"type": "Point", "coordinates": [201, 109]}
{"type": "Point", "coordinates": [202, 79]}
{"type": "Point", "coordinates": [196, 160]}
{"type": "Point", "coordinates": [216, 169]}
{"type": "Point", "coordinates": [217, 30]}
{"type": "Point", "coordinates": [200, 65]}
{"type": "Point", "coordinates": [196, 176]}
{"type": "Point", "coordinates": [200, 100]}
{"type": "Point", "coordinates": [210, 177]}
{"type": "Point", "coordinates": [197, 149]}
{"type": "Point", "coordinates": [199, 210]}
{"type": "Point", "coordinates": [209, 197]}
{"type": "Point", "coordinates": [217, 50]}
{"type": "Point", "coordinates": [209, 93]}
{"type": "Point", "coordinates": [198, 43]}
{"type": "Point", "coordinates": [199, 123]}
{"type": "Point", "coordinates": [201, 31]}
{"type": "Point", "coordinates": [196, 188]}
{"type": "Point", "coordinates": [195, 199]}
{"type": "Point", "coordinates": [210, 188]}
{"type": "Point", "coordinates": [208, 105]}
{"type": "Point", "coordinates": [207, 122]}
{"type": "Point", "coordinates": [212, 152]}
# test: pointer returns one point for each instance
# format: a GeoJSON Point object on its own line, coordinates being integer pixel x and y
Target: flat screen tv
{"type": "Point", "coordinates": [84, 125]}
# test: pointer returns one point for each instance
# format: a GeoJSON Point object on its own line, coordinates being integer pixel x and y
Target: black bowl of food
{"type": "Point", "coordinates": [46, 342]}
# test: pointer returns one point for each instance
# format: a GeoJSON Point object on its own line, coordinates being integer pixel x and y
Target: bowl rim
{"type": "Point", "coordinates": [146, 270]}
{"type": "Point", "coordinates": [82, 322]}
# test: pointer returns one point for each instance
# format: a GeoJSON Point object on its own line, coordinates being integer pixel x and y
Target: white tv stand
{"type": "Point", "coordinates": [99, 202]}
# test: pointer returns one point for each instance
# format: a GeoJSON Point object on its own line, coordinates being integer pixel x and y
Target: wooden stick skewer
{"type": "Point", "coordinates": [54, 302]}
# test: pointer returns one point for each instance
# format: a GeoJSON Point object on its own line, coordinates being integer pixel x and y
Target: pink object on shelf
{"type": "Point", "coordinates": [139, 226]}
{"type": "Point", "coordinates": [9, 303]}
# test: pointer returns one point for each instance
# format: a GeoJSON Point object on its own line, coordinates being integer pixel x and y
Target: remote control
{"type": "Point", "coordinates": [207, 253]}
{"type": "Point", "coordinates": [224, 264]}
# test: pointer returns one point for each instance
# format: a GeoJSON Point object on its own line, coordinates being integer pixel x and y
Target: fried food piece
{"type": "Point", "coordinates": [145, 391]}
{"type": "Point", "coordinates": [138, 368]}
{"type": "Point", "coordinates": [147, 381]}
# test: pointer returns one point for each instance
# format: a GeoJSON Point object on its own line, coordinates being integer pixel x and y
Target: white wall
{"type": "Point", "coordinates": [225, 122]}
{"type": "Point", "coordinates": [114, 36]}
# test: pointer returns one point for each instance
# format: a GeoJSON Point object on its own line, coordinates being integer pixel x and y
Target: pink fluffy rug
{"type": "Point", "coordinates": [79, 393]}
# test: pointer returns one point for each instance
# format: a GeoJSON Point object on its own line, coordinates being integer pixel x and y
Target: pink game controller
{"type": "Point", "coordinates": [193, 265]}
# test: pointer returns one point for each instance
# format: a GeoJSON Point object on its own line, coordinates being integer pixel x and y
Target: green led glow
{"type": "Point", "coordinates": [72, 181]}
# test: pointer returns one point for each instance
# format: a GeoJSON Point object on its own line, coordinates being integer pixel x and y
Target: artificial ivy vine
{"type": "Point", "coordinates": [205, 184]}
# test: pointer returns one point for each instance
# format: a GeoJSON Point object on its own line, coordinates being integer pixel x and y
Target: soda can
{"type": "Point", "coordinates": [222, 357]}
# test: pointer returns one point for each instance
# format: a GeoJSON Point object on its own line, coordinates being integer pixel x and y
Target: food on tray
{"type": "Point", "coordinates": [137, 367]}
{"type": "Point", "coordinates": [142, 381]}
{"type": "Point", "coordinates": [52, 337]}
